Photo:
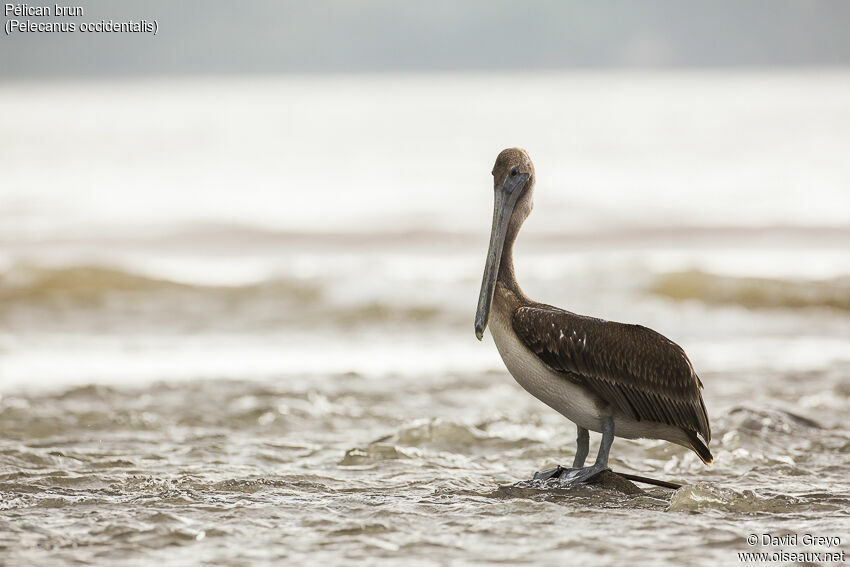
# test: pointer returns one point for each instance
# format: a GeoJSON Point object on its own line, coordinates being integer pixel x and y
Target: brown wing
{"type": "Point", "coordinates": [639, 371]}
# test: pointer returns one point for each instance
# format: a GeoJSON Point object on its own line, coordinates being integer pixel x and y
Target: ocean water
{"type": "Point", "coordinates": [236, 315]}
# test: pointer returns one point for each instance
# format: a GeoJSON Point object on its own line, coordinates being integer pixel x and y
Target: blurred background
{"type": "Point", "coordinates": [298, 194]}
{"type": "Point", "coordinates": [271, 174]}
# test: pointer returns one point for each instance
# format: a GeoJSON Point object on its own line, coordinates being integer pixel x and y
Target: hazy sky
{"type": "Point", "coordinates": [267, 36]}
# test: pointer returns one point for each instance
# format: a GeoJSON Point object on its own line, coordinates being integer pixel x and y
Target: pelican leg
{"type": "Point", "coordinates": [580, 474]}
{"type": "Point", "coordinates": [607, 441]}
{"type": "Point", "coordinates": [574, 476]}
{"type": "Point", "coordinates": [582, 447]}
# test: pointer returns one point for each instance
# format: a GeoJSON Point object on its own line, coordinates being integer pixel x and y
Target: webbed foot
{"type": "Point", "coordinates": [569, 477]}
{"type": "Point", "coordinates": [549, 473]}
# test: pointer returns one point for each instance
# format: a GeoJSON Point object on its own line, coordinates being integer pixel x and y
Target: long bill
{"type": "Point", "coordinates": [503, 207]}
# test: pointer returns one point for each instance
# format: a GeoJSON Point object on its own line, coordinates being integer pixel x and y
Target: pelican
{"type": "Point", "coordinates": [612, 378]}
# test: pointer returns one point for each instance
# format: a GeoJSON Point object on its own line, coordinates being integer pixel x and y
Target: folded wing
{"type": "Point", "coordinates": [639, 371]}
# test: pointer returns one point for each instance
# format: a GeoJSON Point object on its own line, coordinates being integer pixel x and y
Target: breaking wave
{"type": "Point", "coordinates": [82, 296]}
{"type": "Point", "coordinates": [754, 293]}
{"type": "Point", "coordinates": [93, 284]}
{"type": "Point", "coordinates": [705, 496]}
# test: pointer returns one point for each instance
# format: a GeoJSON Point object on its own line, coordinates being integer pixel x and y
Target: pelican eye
{"type": "Point", "coordinates": [514, 172]}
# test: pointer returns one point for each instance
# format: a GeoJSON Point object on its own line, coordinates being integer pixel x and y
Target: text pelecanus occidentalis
{"type": "Point", "coordinates": [608, 377]}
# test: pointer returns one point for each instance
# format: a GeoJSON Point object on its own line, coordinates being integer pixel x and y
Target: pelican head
{"type": "Point", "coordinates": [513, 184]}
